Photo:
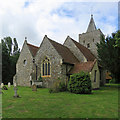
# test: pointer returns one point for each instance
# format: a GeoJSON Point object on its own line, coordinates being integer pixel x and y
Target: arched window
{"type": "Point", "coordinates": [25, 62]}
{"type": "Point", "coordinates": [95, 75]}
{"type": "Point", "coordinates": [46, 68]}
{"type": "Point", "coordinates": [84, 41]}
{"type": "Point", "coordinates": [88, 45]}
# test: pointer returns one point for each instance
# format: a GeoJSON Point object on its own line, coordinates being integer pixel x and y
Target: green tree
{"type": "Point", "coordinates": [117, 37]}
{"type": "Point", "coordinates": [10, 54]}
{"type": "Point", "coordinates": [5, 62]}
{"type": "Point", "coordinates": [8, 43]}
{"type": "Point", "coordinates": [109, 54]}
{"type": "Point", "coordinates": [15, 46]}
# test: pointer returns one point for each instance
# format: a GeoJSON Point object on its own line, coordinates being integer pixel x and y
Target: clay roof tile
{"type": "Point", "coordinates": [64, 52]}
{"type": "Point", "coordinates": [33, 49]}
{"type": "Point", "coordinates": [84, 66]}
{"type": "Point", "coordinates": [86, 52]}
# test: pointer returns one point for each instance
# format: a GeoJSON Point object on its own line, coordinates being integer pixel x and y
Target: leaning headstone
{"type": "Point", "coordinates": [34, 87]}
{"type": "Point", "coordinates": [15, 92]}
{"type": "Point", "coordinates": [2, 84]}
{"type": "Point", "coordinates": [4, 88]}
{"type": "Point", "coordinates": [9, 85]}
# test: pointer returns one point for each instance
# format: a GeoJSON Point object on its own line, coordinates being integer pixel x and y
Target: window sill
{"type": "Point", "coordinates": [46, 76]}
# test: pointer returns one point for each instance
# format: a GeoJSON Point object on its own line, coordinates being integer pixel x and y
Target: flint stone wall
{"type": "Point", "coordinates": [73, 48]}
{"type": "Point", "coordinates": [48, 50]}
{"type": "Point", "coordinates": [91, 38]}
{"type": "Point", "coordinates": [23, 71]}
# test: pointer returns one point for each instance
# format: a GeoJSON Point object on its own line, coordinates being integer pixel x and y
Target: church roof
{"type": "Point", "coordinates": [33, 49]}
{"type": "Point", "coordinates": [91, 26]}
{"type": "Point", "coordinates": [84, 66]}
{"type": "Point", "coordinates": [86, 52]}
{"type": "Point", "coordinates": [64, 52]}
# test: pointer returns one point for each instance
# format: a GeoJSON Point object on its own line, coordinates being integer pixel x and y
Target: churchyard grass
{"type": "Point", "coordinates": [101, 103]}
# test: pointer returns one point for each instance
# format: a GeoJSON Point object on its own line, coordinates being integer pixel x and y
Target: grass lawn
{"type": "Point", "coordinates": [102, 103]}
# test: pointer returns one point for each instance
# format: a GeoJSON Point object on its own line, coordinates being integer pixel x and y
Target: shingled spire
{"type": "Point", "coordinates": [91, 26]}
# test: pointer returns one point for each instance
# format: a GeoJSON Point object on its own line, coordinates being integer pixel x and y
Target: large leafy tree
{"type": "Point", "coordinates": [109, 54]}
{"type": "Point", "coordinates": [10, 54]}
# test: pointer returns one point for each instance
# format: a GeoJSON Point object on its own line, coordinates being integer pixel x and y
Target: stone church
{"type": "Point", "coordinates": [53, 61]}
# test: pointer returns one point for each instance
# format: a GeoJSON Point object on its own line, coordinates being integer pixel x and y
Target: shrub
{"type": "Point", "coordinates": [112, 80]}
{"type": "Point", "coordinates": [58, 86]}
{"type": "Point", "coordinates": [62, 87]}
{"type": "Point", "coordinates": [80, 83]}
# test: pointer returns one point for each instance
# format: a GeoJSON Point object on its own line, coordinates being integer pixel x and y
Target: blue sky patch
{"type": "Point", "coordinates": [63, 12]}
{"type": "Point", "coordinates": [26, 4]}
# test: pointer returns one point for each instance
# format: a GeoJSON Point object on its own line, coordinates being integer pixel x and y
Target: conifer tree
{"type": "Point", "coordinates": [109, 54]}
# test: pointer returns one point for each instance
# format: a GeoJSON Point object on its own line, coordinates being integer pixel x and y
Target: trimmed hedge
{"type": "Point", "coordinates": [80, 83]}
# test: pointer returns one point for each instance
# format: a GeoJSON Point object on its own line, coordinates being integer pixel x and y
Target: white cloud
{"type": "Point", "coordinates": [39, 17]}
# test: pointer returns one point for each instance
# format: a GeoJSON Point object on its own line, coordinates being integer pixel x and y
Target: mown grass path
{"type": "Point", "coordinates": [101, 103]}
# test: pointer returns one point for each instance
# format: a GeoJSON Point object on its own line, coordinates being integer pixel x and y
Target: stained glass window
{"type": "Point", "coordinates": [46, 67]}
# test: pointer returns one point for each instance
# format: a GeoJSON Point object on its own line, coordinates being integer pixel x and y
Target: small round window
{"type": "Point", "coordinates": [25, 62]}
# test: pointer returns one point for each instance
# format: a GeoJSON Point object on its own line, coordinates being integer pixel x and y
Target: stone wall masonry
{"type": "Point", "coordinates": [91, 38]}
{"type": "Point", "coordinates": [23, 71]}
{"type": "Point", "coordinates": [47, 50]}
{"type": "Point", "coordinates": [92, 75]}
{"type": "Point", "coordinates": [73, 48]}
{"type": "Point", "coordinates": [103, 76]}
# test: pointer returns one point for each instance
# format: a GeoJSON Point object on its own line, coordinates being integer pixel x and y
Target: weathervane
{"type": "Point", "coordinates": [91, 10]}
{"type": "Point", "coordinates": [25, 38]}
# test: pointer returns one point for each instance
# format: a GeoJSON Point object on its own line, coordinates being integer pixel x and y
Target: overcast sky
{"type": "Point", "coordinates": [35, 18]}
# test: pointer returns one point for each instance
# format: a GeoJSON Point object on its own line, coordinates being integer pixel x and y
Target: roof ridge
{"type": "Point", "coordinates": [81, 49]}
{"type": "Point", "coordinates": [91, 26]}
{"type": "Point", "coordinates": [54, 41]}
{"type": "Point", "coordinates": [33, 49]}
{"type": "Point", "coordinates": [60, 44]}
{"type": "Point", "coordinates": [67, 53]}
{"type": "Point", "coordinates": [32, 45]}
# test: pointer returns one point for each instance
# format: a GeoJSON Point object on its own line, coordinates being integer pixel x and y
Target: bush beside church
{"type": "Point", "coordinates": [80, 83]}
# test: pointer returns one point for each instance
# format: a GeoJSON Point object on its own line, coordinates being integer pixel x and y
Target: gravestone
{"type": "Point", "coordinates": [2, 84]}
{"type": "Point", "coordinates": [9, 84]}
{"type": "Point", "coordinates": [34, 87]}
{"type": "Point", "coordinates": [15, 92]}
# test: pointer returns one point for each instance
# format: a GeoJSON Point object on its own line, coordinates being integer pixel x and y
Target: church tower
{"type": "Point", "coordinates": [91, 37]}
{"type": "Point", "coordinates": [91, 26]}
